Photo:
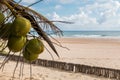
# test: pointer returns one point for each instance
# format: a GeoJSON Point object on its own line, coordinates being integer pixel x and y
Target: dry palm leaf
{"type": "Point", "coordinates": [38, 21]}
{"type": "Point", "coordinates": [40, 25]}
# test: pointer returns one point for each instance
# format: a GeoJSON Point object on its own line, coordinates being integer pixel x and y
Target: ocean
{"type": "Point", "coordinates": [91, 34]}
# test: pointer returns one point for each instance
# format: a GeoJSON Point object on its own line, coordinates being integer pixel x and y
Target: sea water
{"type": "Point", "coordinates": [91, 34]}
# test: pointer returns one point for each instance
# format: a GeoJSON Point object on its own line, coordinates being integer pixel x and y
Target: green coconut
{"type": "Point", "coordinates": [35, 46]}
{"type": "Point", "coordinates": [2, 18]}
{"type": "Point", "coordinates": [16, 43]}
{"type": "Point", "coordinates": [5, 31]}
{"type": "Point", "coordinates": [21, 26]}
{"type": "Point", "coordinates": [30, 56]}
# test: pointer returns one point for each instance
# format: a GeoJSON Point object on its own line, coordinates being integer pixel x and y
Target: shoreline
{"type": "Point", "coordinates": [63, 39]}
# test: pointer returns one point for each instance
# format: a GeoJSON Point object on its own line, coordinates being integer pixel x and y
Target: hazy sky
{"type": "Point", "coordinates": [86, 14]}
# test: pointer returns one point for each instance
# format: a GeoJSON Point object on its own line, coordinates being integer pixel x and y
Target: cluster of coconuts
{"type": "Point", "coordinates": [16, 33]}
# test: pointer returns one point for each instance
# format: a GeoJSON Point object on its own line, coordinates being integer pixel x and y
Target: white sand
{"type": "Point", "coordinates": [97, 52]}
{"type": "Point", "coordinates": [42, 73]}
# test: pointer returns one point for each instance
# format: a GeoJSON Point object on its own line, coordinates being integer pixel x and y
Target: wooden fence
{"type": "Point", "coordinates": [76, 68]}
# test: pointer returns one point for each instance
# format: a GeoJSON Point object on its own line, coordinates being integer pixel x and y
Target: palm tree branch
{"type": "Point", "coordinates": [37, 16]}
{"type": "Point", "coordinates": [30, 14]}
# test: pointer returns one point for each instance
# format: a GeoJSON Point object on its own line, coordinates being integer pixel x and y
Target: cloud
{"type": "Point", "coordinates": [61, 1]}
{"type": "Point", "coordinates": [91, 14]}
{"type": "Point", "coordinates": [105, 11]}
{"type": "Point", "coordinates": [29, 1]}
{"type": "Point", "coordinates": [66, 1]}
{"type": "Point", "coordinates": [58, 7]}
{"type": "Point", "coordinates": [79, 20]}
{"type": "Point", "coordinates": [101, 15]}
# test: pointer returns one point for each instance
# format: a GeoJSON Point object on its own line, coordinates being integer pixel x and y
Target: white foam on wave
{"type": "Point", "coordinates": [85, 36]}
{"type": "Point", "coordinates": [92, 36]}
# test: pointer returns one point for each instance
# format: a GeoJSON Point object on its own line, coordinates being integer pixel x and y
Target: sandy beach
{"type": "Point", "coordinates": [92, 51]}
{"type": "Point", "coordinates": [89, 51]}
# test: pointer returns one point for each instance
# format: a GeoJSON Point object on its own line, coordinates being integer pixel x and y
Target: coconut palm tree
{"type": "Point", "coordinates": [39, 23]}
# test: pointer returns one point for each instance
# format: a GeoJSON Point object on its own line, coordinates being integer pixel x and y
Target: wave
{"type": "Point", "coordinates": [94, 36]}
{"type": "Point", "coordinates": [87, 36]}
{"type": "Point", "coordinates": [77, 35]}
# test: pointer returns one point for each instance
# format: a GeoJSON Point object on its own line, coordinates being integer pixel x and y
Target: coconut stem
{"type": "Point", "coordinates": [10, 7]}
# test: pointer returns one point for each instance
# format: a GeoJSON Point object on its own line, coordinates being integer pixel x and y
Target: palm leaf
{"type": "Point", "coordinates": [36, 19]}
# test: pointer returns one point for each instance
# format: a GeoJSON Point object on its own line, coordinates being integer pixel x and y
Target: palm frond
{"type": "Point", "coordinates": [35, 19]}
{"type": "Point", "coordinates": [34, 3]}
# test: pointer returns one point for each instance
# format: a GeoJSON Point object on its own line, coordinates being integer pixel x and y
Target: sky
{"type": "Point", "coordinates": [86, 14]}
